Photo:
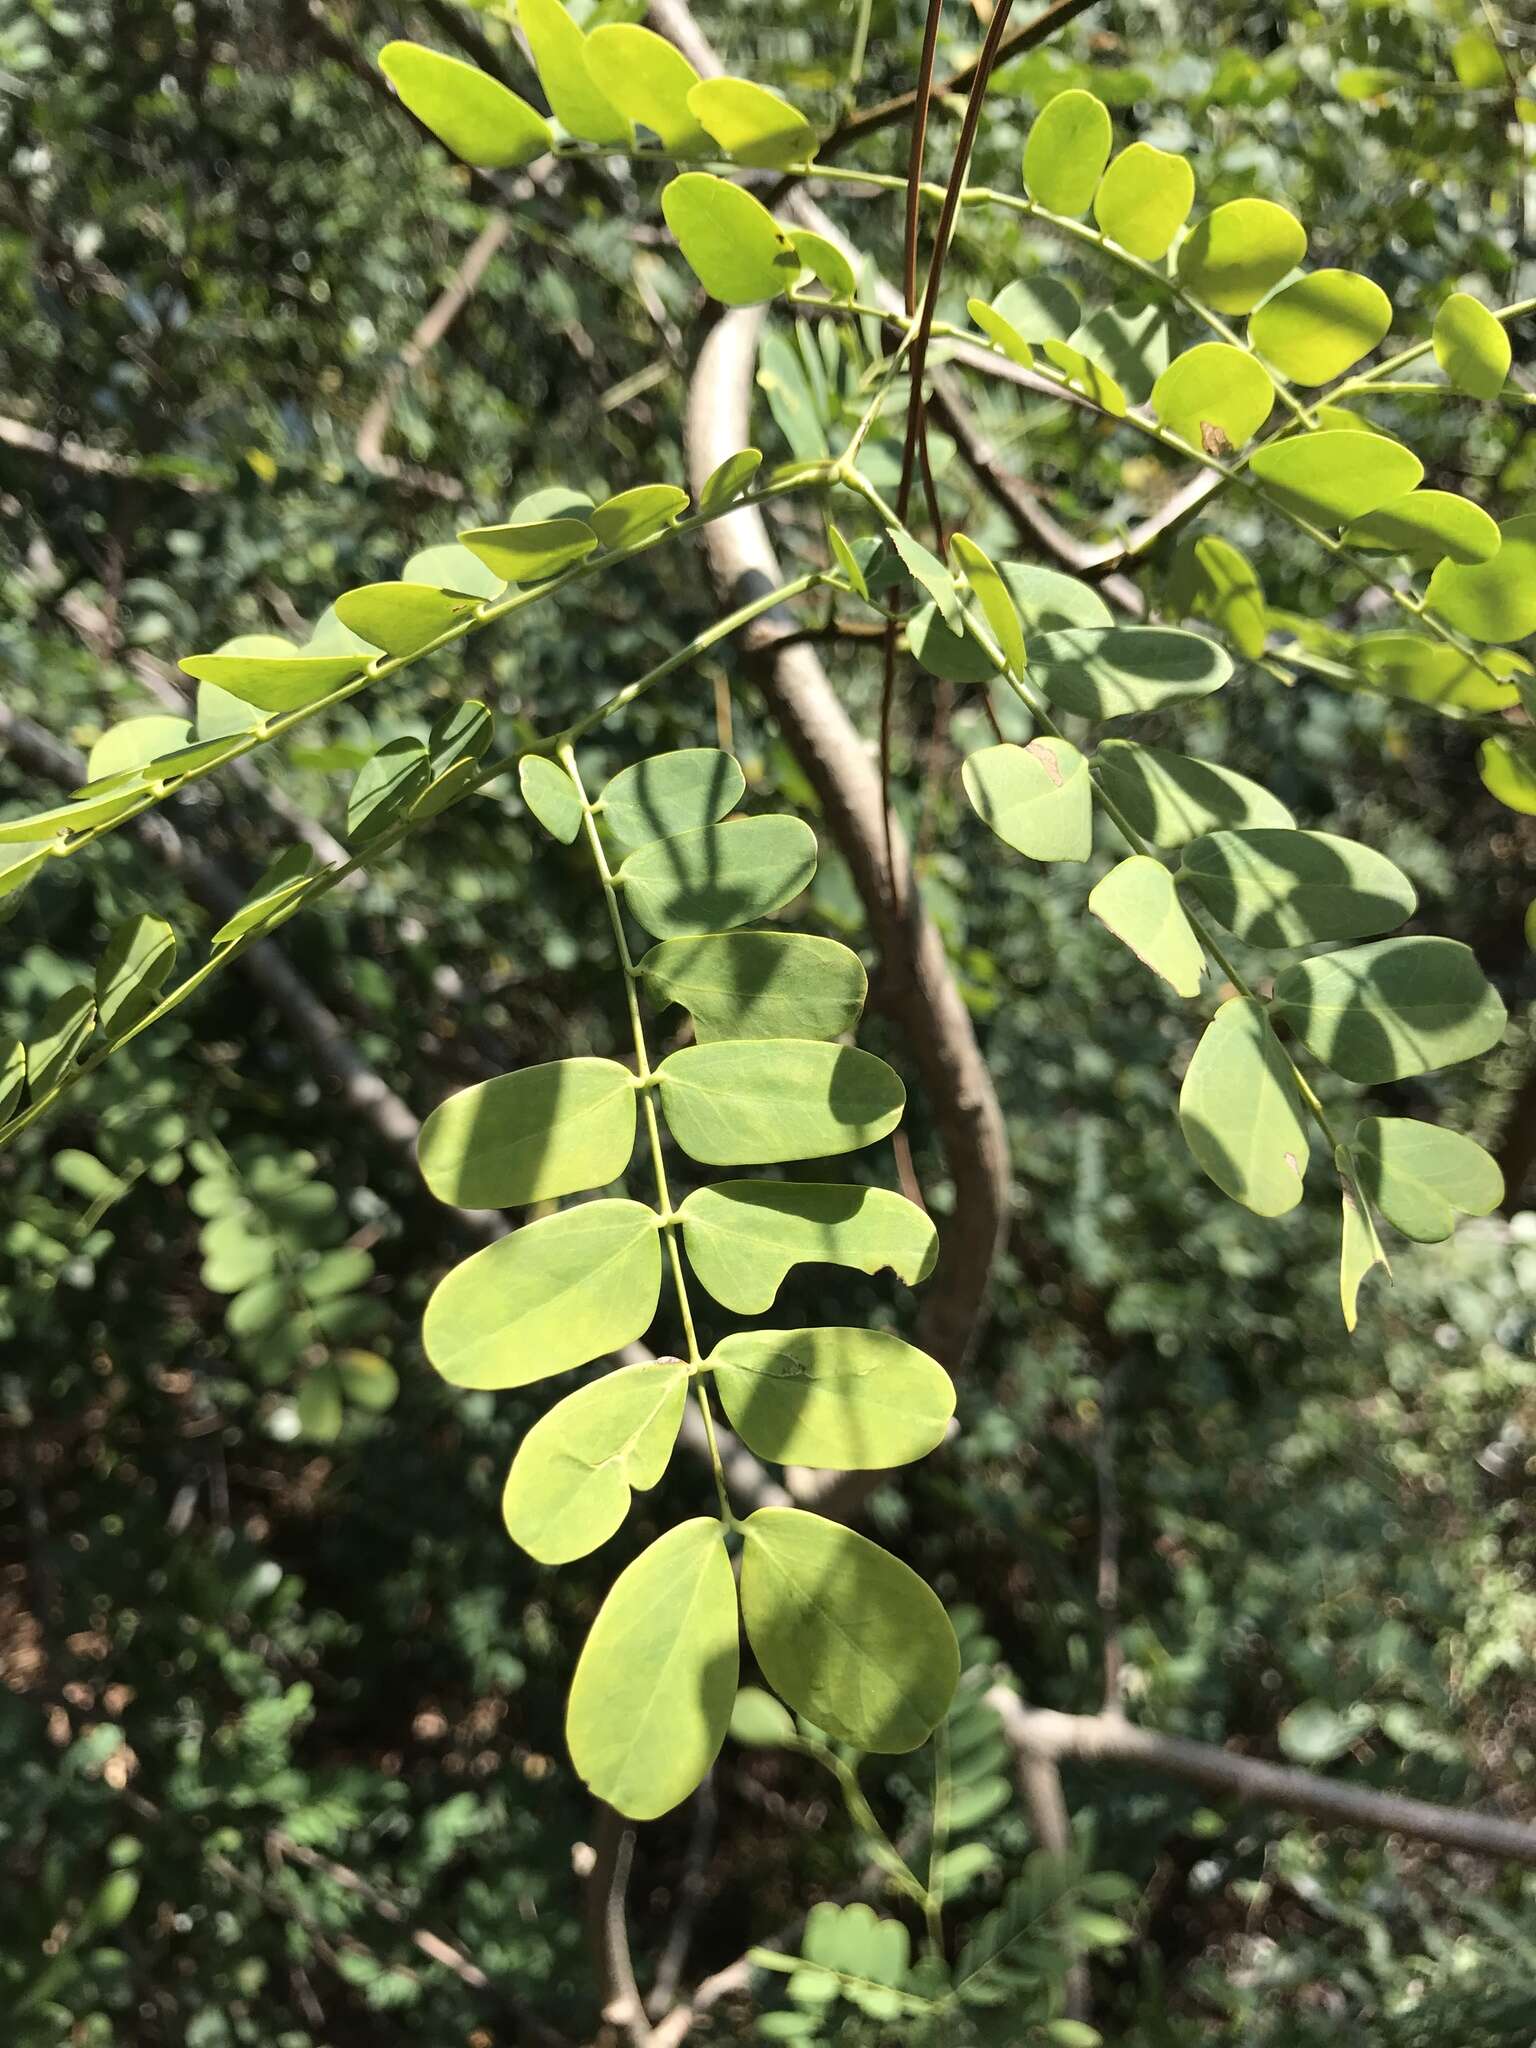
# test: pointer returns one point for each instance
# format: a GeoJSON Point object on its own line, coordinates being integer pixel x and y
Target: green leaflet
{"type": "Point", "coordinates": [1506, 767]}
{"type": "Point", "coordinates": [1238, 254]}
{"type": "Point", "coordinates": [1079, 374]}
{"type": "Point", "coordinates": [991, 592]}
{"type": "Point", "coordinates": [1492, 601]}
{"type": "Point", "coordinates": [560, 51]}
{"type": "Point", "coordinates": [1047, 600]}
{"type": "Point", "coordinates": [1170, 799]}
{"type": "Point", "coordinates": [1144, 200]}
{"type": "Point", "coordinates": [387, 781]}
{"type": "Point", "coordinates": [1241, 1113]}
{"type": "Point", "coordinates": [134, 743]}
{"type": "Point", "coordinates": [1211, 579]}
{"type": "Point", "coordinates": [1138, 902]}
{"type": "Point", "coordinates": [637, 515]}
{"type": "Point", "coordinates": [1385, 1012]}
{"type": "Point", "coordinates": [825, 260]}
{"type": "Point", "coordinates": [1471, 346]}
{"type": "Point", "coordinates": [276, 682]}
{"type": "Point", "coordinates": [13, 1074]}
{"type": "Point", "coordinates": [551, 796]}
{"type": "Point", "coordinates": [842, 1400]}
{"type": "Point", "coordinates": [671, 793]}
{"type": "Point", "coordinates": [457, 741]}
{"type": "Point", "coordinates": [1428, 672]}
{"type": "Point", "coordinates": [555, 1294]}
{"type": "Point", "coordinates": [469, 112]}
{"type": "Point", "coordinates": [759, 984]}
{"type": "Point", "coordinates": [282, 881]}
{"type": "Point", "coordinates": [652, 1695]}
{"type": "Point", "coordinates": [728, 479]}
{"type": "Point", "coordinates": [528, 551]}
{"type": "Point", "coordinates": [1421, 1177]}
{"type": "Point", "coordinates": [718, 876]}
{"type": "Point", "coordinates": [1002, 332]}
{"type": "Point", "coordinates": [1359, 1249]}
{"type": "Point", "coordinates": [71, 817]}
{"type": "Point", "coordinates": [1214, 387]}
{"type": "Point", "coordinates": [844, 1632]}
{"type": "Point", "coordinates": [1039, 308]}
{"type": "Point", "coordinates": [61, 1031]}
{"type": "Point", "coordinates": [871, 1956]}
{"type": "Point", "coordinates": [402, 618]}
{"type": "Point", "coordinates": [1320, 326]}
{"type": "Point", "coordinates": [452, 567]}
{"type": "Point", "coordinates": [17, 870]}
{"type": "Point", "coordinates": [1335, 476]}
{"type": "Point", "coordinates": [752, 124]}
{"type": "Point", "coordinates": [1114, 671]}
{"type": "Point", "coordinates": [730, 241]}
{"type": "Point", "coordinates": [759, 1721]}
{"type": "Point", "coordinates": [570, 1484]}
{"type": "Point", "coordinates": [1066, 151]}
{"type": "Point", "coordinates": [1134, 343]}
{"type": "Point", "coordinates": [527, 1137]}
{"type": "Point", "coordinates": [1038, 798]}
{"type": "Point", "coordinates": [648, 79]}
{"type": "Point", "coordinates": [926, 569]}
{"type": "Point", "coordinates": [1288, 888]}
{"type": "Point", "coordinates": [140, 954]}
{"type": "Point", "coordinates": [750, 1102]}
{"type": "Point", "coordinates": [743, 1237]}
{"type": "Point", "coordinates": [1429, 526]}
{"type": "Point", "coordinates": [955, 657]}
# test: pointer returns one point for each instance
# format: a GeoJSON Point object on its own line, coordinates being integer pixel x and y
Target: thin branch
{"type": "Point", "coordinates": [1109, 1738]}
{"type": "Point", "coordinates": [608, 1928]}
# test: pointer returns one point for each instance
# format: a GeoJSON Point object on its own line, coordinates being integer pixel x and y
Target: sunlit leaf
{"type": "Point", "coordinates": [743, 1237]}
{"type": "Point", "coordinates": [452, 567]}
{"type": "Point", "coordinates": [530, 551]}
{"type": "Point", "coordinates": [386, 783]}
{"type": "Point", "coordinates": [1421, 1177]}
{"type": "Point", "coordinates": [469, 112]}
{"type": "Point", "coordinates": [1471, 346]}
{"type": "Point", "coordinates": [1066, 151]}
{"type": "Point", "coordinates": [844, 1632]}
{"type": "Point", "coordinates": [551, 796]}
{"type": "Point", "coordinates": [758, 1720]}
{"type": "Point", "coordinates": [1492, 601]}
{"type": "Point", "coordinates": [750, 1102]}
{"type": "Point", "coordinates": [1238, 254]}
{"type": "Point", "coordinates": [1089, 378]}
{"type": "Point", "coordinates": [1430, 672]}
{"type": "Point", "coordinates": [1241, 1113]}
{"type": "Point", "coordinates": [1047, 600]}
{"type": "Point", "coordinates": [1038, 798]}
{"type": "Point", "coordinates": [752, 124]}
{"type": "Point", "coordinates": [730, 241]}
{"type": "Point", "coordinates": [71, 817]}
{"type": "Point", "coordinates": [134, 743]}
{"type": "Point", "coordinates": [1287, 888]}
{"type": "Point", "coordinates": [1507, 765]}
{"type": "Point", "coordinates": [1214, 386]}
{"type": "Point", "coordinates": [759, 984]}
{"type": "Point", "coordinates": [286, 683]}
{"type": "Point", "coordinates": [1138, 902]}
{"type": "Point", "coordinates": [560, 51]}
{"type": "Point", "coordinates": [139, 955]}
{"type": "Point", "coordinates": [958, 657]}
{"type": "Point", "coordinates": [844, 1400]}
{"type": "Point", "coordinates": [1335, 476]}
{"type": "Point", "coordinates": [1321, 325]}
{"type": "Point", "coordinates": [1144, 200]}
{"type": "Point", "coordinates": [729, 479]}
{"type": "Point", "coordinates": [654, 1687]}
{"type": "Point", "coordinates": [992, 594]}
{"type": "Point", "coordinates": [13, 1074]}
{"type": "Point", "coordinates": [1040, 308]}
{"type": "Point", "coordinates": [637, 515]}
{"type": "Point", "coordinates": [570, 1484]}
{"type": "Point", "coordinates": [402, 618]}
{"type": "Point", "coordinates": [555, 1294]}
{"type": "Point", "coordinates": [718, 876]}
{"type": "Point", "coordinates": [282, 880]}
{"type": "Point", "coordinates": [1389, 1011]}
{"type": "Point", "coordinates": [671, 793]}
{"type": "Point", "coordinates": [1114, 671]}
{"type": "Point", "coordinates": [1429, 526]}
{"type": "Point", "coordinates": [1170, 799]}
{"type": "Point", "coordinates": [825, 260]}
{"type": "Point", "coordinates": [1359, 1250]}
{"type": "Point", "coordinates": [1133, 343]}
{"type": "Point", "coordinates": [1212, 579]}
{"type": "Point", "coordinates": [549, 1130]}
{"type": "Point", "coordinates": [648, 79]}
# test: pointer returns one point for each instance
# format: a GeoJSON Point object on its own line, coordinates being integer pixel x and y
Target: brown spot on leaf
{"type": "Point", "coordinates": [1045, 754]}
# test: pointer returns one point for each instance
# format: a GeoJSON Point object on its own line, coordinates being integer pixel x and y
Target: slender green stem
{"type": "Point", "coordinates": [329, 878]}
{"type": "Point", "coordinates": [646, 1080]}
{"type": "Point", "coordinates": [882, 1850]}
